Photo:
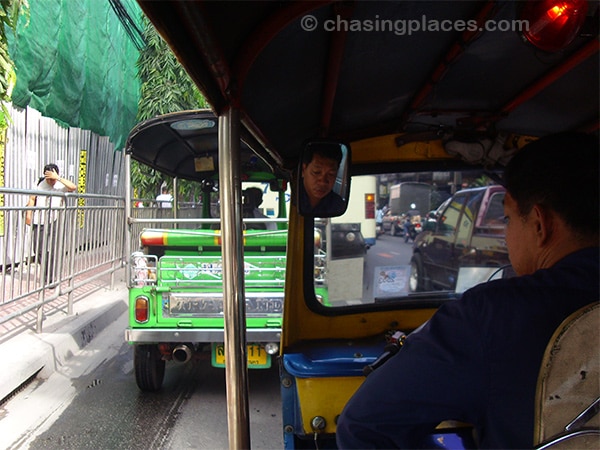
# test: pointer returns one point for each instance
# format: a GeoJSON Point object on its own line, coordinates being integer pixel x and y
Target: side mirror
{"type": "Point", "coordinates": [324, 179]}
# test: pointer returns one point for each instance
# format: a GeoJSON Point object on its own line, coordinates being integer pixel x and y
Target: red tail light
{"type": "Point", "coordinates": [369, 206]}
{"type": "Point", "coordinates": [151, 237]}
{"type": "Point", "coordinates": [141, 310]}
{"type": "Point", "coordinates": [553, 24]}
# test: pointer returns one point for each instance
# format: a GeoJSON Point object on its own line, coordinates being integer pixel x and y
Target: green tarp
{"type": "Point", "coordinates": [75, 63]}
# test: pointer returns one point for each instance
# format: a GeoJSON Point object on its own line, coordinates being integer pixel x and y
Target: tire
{"type": "Point", "coordinates": [412, 234]}
{"type": "Point", "coordinates": [416, 281]}
{"type": "Point", "coordinates": [149, 367]}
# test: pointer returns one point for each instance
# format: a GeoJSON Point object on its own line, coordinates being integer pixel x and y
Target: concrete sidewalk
{"type": "Point", "coordinates": [28, 354]}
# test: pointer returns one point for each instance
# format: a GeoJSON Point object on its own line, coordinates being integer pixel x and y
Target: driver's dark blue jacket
{"type": "Point", "coordinates": [477, 360]}
{"type": "Point", "coordinates": [331, 204]}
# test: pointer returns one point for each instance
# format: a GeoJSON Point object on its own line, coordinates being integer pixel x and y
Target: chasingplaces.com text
{"type": "Point", "coordinates": [408, 27]}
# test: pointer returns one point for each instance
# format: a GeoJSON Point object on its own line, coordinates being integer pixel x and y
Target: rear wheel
{"type": "Point", "coordinates": [149, 367]}
{"type": "Point", "coordinates": [416, 282]}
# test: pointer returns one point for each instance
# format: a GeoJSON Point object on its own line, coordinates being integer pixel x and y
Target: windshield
{"type": "Point", "coordinates": [411, 238]}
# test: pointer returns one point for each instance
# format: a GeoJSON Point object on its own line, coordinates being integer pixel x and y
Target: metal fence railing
{"type": "Point", "coordinates": [82, 243]}
{"type": "Point", "coordinates": [67, 247]}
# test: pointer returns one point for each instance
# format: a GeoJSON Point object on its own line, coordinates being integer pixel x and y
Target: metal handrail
{"type": "Point", "coordinates": [564, 437]}
{"type": "Point", "coordinates": [80, 241]}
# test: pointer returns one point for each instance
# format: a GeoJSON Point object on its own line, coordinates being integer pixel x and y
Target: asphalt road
{"type": "Point", "coordinates": [93, 403]}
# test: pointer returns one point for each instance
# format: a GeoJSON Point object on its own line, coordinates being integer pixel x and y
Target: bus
{"type": "Point", "coordinates": [362, 207]}
{"type": "Point", "coordinates": [444, 93]}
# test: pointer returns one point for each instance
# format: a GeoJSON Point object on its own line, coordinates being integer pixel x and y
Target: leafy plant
{"type": "Point", "coordinates": [483, 180]}
{"type": "Point", "coordinates": [9, 15]}
{"type": "Point", "coordinates": [165, 88]}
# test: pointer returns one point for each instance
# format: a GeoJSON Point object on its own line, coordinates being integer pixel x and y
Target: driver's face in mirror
{"type": "Point", "coordinates": [324, 186]}
{"type": "Point", "coordinates": [319, 177]}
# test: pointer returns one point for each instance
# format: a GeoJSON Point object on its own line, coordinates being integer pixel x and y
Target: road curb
{"type": "Point", "coordinates": [29, 354]}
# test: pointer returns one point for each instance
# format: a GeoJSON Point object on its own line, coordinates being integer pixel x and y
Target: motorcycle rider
{"type": "Point", "coordinates": [412, 215]}
{"type": "Point", "coordinates": [379, 221]}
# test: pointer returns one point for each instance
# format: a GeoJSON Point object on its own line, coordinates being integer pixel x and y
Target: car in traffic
{"type": "Point", "coordinates": [468, 233]}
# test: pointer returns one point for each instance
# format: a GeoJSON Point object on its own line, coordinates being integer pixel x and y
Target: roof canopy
{"type": "Point", "coordinates": [185, 145]}
{"type": "Point", "coordinates": [357, 70]}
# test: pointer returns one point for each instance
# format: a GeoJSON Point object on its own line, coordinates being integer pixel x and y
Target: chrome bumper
{"type": "Point", "coordinates": [156, 335]}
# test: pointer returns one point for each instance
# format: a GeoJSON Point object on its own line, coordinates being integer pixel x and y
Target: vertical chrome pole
{"type": "Point", "coordinates": [176, 199]}
{"type": "Point", "coordinates": [234, 308]}
{"type": "Point", "coordinates": [127, 213]}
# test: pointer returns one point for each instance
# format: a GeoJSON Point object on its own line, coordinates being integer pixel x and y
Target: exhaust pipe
{"type": "Point", "coordinates": [182, 353]}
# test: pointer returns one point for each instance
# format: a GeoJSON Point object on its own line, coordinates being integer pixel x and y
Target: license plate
{"type": "Point", "coordinates": [258, 358]}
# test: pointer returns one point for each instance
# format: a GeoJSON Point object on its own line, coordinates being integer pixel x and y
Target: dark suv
{"type": "Point", "coordinates": [468, 232]}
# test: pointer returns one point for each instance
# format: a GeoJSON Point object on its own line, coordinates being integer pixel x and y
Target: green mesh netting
{"type": "Point", "coordinates": [75, 63]}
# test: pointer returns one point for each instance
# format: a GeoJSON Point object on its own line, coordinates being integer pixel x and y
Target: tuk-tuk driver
{"type": "Point", "coordinates": [478, 358]}
{"type": "Point", "coordinates": [319, 170]}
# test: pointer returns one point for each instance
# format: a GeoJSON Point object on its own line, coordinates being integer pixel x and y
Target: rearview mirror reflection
{"type": "Point", "coordinates": [324, 179]}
